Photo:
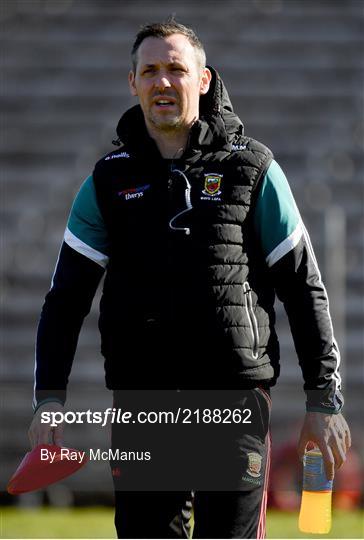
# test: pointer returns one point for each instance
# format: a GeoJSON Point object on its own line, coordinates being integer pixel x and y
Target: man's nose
{"type": "Point", "coordinates": [162, 83]}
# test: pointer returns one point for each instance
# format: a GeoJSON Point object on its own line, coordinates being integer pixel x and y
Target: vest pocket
{"type": "Point", "coordinates": [251, 318]}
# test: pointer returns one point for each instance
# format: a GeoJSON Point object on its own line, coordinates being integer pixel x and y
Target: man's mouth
{"type": "Point", "coordinates": [164, 102]}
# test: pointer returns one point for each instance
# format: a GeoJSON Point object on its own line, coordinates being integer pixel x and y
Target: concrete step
{"type": "Point", "coordinates": [21, 342]}
{"type": "Point", "coordinates": [137, 9]}
{"type": "Point", "coordinates": [120, 23]}
{"type": "Point", "coordinates": [24, 317]}
{"type": "Point", "coordinates": [88, 367]}
{"type": "Point", "coordinates": [25, 125]}
{"type": "Point", "coordinates": [246, 49]}
{"type": "Point", "coordinates": [51, 82]}
{"type": "Point", "coordinates": [287, 107]}
{"type": "Point", "coordinates": [47, 221]}
{"type": "Point", "coordinates": [53, 139]}
{"type": "Point", "coordinates": [20, 119]}
{"type": "Point", "coordinates": [19, 364]}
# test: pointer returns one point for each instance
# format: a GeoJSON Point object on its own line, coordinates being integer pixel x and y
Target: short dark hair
{"type": "Point", "coordinates": [165, 29]}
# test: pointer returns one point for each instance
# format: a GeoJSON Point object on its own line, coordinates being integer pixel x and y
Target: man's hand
{"type": "Point", "coordinates": [40, 433]}
{"type": "Point", "coordinates": [331, 434]}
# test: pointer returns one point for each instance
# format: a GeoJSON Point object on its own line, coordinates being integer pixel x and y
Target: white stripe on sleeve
{"type": "Point", "coordinates": [86, 250]}
{"type": "Point", "coordinates": [285, 246]}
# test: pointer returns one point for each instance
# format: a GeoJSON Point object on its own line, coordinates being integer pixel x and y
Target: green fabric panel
{"type": "Point", "coordinates": [85, 220]}
{"type": "Point", "coordinates": [276, 214]}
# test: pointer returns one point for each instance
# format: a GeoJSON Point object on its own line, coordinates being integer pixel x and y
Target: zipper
{"type": "Point", "coordinates": [253, 323]}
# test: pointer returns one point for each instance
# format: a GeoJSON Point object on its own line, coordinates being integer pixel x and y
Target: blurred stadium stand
{"type": "Point", "coordinates": [294, 71]}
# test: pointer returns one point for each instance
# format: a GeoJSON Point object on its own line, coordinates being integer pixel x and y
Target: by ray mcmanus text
{"type": "Point", "coordinates": [95, 454]}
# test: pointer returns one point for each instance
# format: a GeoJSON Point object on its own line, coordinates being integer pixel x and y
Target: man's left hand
{"type": "Point", "coordinates": [331, 434]}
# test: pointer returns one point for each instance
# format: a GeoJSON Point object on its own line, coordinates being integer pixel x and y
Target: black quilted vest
{"type": "Point", "coordinates": [187, 299]}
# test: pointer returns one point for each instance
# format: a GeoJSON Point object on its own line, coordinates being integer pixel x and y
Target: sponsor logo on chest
{"type": "Point", "coordinates": [116, 156]}
{"type": "Point", "coordinates": [133, 193]}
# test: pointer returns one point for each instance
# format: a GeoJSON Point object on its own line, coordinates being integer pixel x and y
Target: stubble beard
{"type": "Point", "coordinates": [168, 125]}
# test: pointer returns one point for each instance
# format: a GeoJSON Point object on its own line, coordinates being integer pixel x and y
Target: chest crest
{"type": "Point", "coordinates": [213, 185]}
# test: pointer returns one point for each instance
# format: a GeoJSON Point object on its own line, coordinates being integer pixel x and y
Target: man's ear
{"type": "Point", "coordinates": [205, 81]}
{"type": "Point", "coordinates": [131, 79]}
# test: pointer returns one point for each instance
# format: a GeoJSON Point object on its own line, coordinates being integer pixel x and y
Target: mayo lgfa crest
{"type": "Point", "coordinates": [254, 464]}
{"type": "Point", "coordinates": [212, 186]}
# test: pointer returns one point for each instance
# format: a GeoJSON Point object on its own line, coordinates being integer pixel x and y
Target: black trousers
{"type": "Point", "coordinates": [238, 513]}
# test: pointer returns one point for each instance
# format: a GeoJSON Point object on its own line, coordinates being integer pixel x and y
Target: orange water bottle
{"type": "Point", "coordinates": [315, 512]}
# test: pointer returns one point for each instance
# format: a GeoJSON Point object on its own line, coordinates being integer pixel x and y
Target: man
{"type": "Point", "coordinates": [197, 230]}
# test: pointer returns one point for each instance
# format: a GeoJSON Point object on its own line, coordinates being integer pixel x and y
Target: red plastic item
{"type": "Point", "coordinates": [45, 465]}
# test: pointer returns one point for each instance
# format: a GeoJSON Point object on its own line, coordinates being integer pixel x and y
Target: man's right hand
{"type": "Point", "coordinates": [40, 433]}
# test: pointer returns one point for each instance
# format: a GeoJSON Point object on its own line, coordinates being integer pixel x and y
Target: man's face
{"type": "Point", "coordinates": [168, 82]}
